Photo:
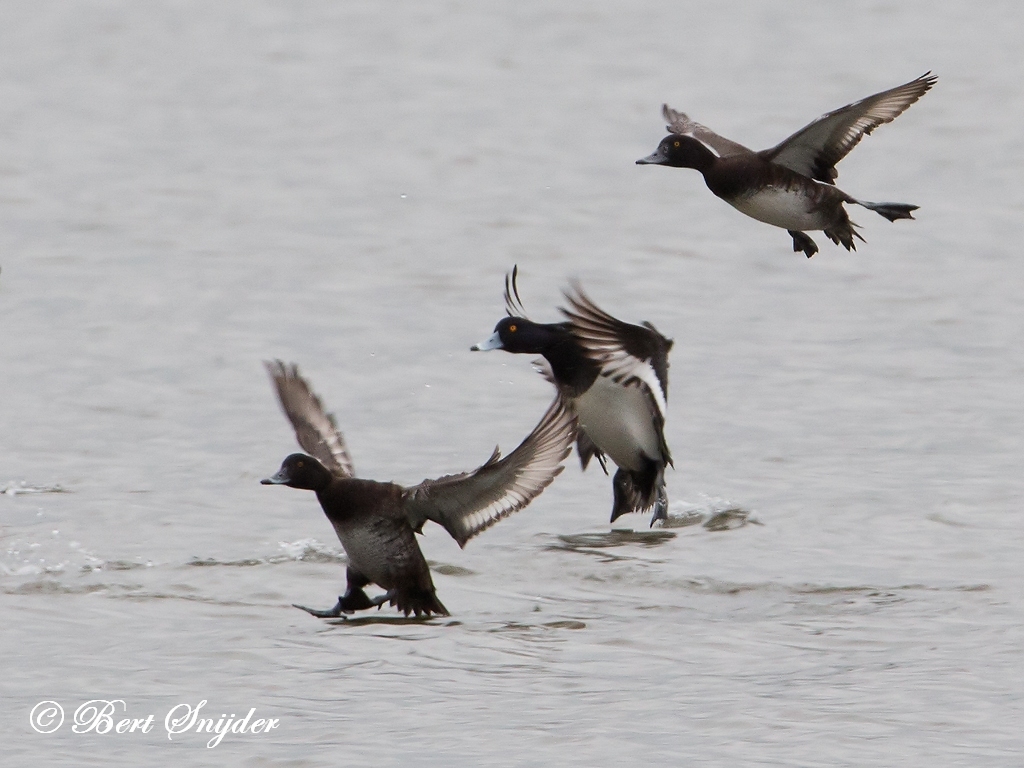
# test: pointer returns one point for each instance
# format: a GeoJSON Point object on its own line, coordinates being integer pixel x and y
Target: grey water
{"type": "Point", "coordinates": [188, 189]}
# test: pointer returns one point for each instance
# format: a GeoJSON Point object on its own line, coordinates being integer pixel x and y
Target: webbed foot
{"type": "Point", "coordinates": [801, 242]}
{"type": "Point", "coordinates": [660, 506]}
{"type": "Point", "coordinates": [353, 600]}
{"type": "Point", "coordinates": [333, 613]}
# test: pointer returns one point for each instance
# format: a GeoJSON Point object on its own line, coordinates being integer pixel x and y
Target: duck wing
{"type": "Point", "coordinates": [627, 353]}
{"type": "Point", "coordinates": [470, 502]}
{"type": "Point", "coordinates": [679, 122]}
{"type": "Point", "coordinates": [816, 148]}
{"type": "Point", "coordinates": [315, 429]}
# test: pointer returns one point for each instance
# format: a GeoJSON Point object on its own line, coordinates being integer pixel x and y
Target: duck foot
{"type": "Point", "coordinates": [802, 242]}
{"type": "Point", "coordinates": [353, 600]}
{"type": "Point", "coordinates": [660, 507]}
{"type": "Point", "coordinates": [333, 613]}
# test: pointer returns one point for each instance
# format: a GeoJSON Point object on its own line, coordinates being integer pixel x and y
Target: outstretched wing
{"type": "Point", "coordinates": [624, 351]}
{"type": "Point", "coordinates": [314, 429]}
{"type": "Point", "coordinates": [678, 122]}
{"type": "Point", "coordinates": [816, 148]}
{"type": "Point", "coordinates": [468, 503]}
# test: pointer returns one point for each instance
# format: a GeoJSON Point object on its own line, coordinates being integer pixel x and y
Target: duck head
{"type": "Point", "coordinates": [517, 334]}
{"type": "Point", "coordinates": [680, 151]}
{"type": "Point", "coordinates": [300, 471]}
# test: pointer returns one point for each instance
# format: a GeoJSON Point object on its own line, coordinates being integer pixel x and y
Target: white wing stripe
{"type": "Point", "coordinates": [601, 340]}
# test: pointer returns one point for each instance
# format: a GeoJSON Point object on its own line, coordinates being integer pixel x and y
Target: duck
{"type": "Point", "coordinates": [376, 521]}
{"type": "Point", "coordinates": [613, 376]}
{"type": "Point", "coordinates": [791, 185]}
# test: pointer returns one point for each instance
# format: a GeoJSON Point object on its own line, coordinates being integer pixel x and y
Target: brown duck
{"type": "Point", "coordinates": [376, 521]}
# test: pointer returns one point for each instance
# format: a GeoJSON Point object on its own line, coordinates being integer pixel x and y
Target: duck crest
{"type": "Point", "coordinates": [513, 304]}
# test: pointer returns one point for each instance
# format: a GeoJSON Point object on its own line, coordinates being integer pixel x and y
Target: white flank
{"type": "Point", "coordinates": [786, 208]}
{"type": "Point", "coordinates": [618, 419]}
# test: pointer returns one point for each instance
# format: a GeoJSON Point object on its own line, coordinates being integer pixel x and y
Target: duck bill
{"type": "Point", "coordinates": [655, 158]}
{"type": "Point", "coordinates": [491, 342]}
{"type": "Point", "coordinates": [281, 478]}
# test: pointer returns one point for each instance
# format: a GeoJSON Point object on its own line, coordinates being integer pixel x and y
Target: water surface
{"type": "Point", "coordinates": [187, 189]}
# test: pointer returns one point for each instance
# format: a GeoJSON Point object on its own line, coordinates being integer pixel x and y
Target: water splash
{"type": "Point", "coordinates": [303, 550]}
{"type": "Point", "coordinates": [20, 487]}
{"type": "Point", "coordinates": [714, 514]}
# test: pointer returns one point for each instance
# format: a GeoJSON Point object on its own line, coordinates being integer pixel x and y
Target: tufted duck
{"type": "Point", "coordinates": [791, 185]}
{"type": "Point", "coordinates": [614, 377]}
{"type": "Point", "coordinates": [376, 521]}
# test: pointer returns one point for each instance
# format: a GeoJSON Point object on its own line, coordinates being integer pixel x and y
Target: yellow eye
{"type": "Point", "coordinates": [300, 464]}
{"type": "Point", "coordinates": [675, 143]}
{"type": "Point", "coordinates": [512, 329]}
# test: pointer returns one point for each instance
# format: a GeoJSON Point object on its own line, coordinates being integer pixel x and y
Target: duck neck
{"type": "Point", "coordinates": [573, 370]}
{"type": "Point", "coordinates": [694, 154]}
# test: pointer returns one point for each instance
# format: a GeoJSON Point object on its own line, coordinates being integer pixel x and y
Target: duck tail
{"type": "Point", "coordinates": [639, 491]}
{"type": "Point", "coordinates": [843, 235]}
{"type": "Point", "coordinates": [891, 211]}
{"type": "Point", "coordinates": [418, 602]}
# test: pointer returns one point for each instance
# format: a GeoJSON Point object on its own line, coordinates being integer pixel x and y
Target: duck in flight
{"type": "Point", "coordinates": [791, 185]}
{"type": "Point", "coordinates": [376, 522]}
{"type": "Point", "coordinates": [614, 377]}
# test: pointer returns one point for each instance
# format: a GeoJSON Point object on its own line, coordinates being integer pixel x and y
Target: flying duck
{"type": "Point", "coordinates": [376, 521]}
{"type": "Point", "coordinates": [614, 377]}
{"type": "Point", "coordinates": [791, 185]}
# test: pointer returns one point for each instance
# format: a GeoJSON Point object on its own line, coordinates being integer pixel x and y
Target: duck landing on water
{"type": "Point", "coordinates": [377, 522]}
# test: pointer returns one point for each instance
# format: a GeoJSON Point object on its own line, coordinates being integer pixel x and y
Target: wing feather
{"type": "Point", "coordinates": [816, 148]}
{"type": "Point", "coordinates": [316, 430]}
{"type": "Point", "coordinates": [626, 353]}
{"type": "Point", "coordinates": [470, 502]}
{"type": "Point", "coordinates": [679, 122]}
